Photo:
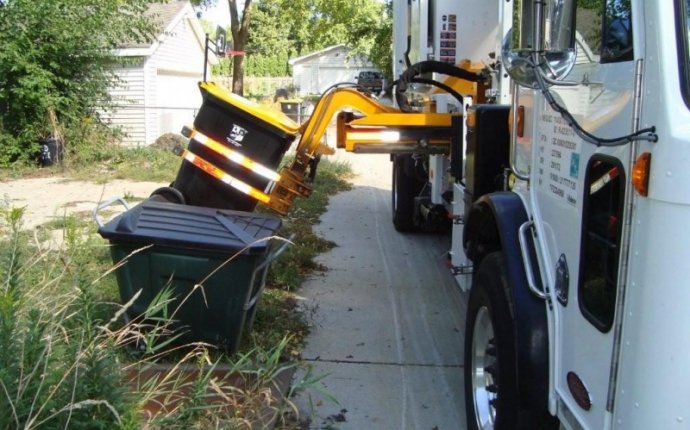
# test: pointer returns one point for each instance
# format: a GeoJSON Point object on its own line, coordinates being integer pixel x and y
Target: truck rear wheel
{"type": "Point", "coordinates": [405, 187]}
{"type": "Point", "coordinates": [491, 391]}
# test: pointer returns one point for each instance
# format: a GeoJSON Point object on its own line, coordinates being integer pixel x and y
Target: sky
{"type": "Point", "coordinates": [218, 14]}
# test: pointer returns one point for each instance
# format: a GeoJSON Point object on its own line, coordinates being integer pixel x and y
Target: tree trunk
{"type": "Point", "coordinates": [238, 73]}
{"type": "Point", "coordinates": [240, 34]}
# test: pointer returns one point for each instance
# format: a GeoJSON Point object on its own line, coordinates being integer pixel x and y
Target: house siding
{"type": "Point", "coordinates": [181, 51]}
{"type": "Point", "coordinates": [177, 69]}
{"type": "Point", "coordinates": [151, 111]}
{"type": "Point", "coordinates": [128, 96]}
{"type": "Point", "coordinates": [159, 93]}
{"type": "Point", "coordinates": [315, 73]}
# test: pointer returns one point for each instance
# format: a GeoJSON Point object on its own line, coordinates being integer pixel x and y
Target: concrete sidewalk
{"type": "Point", "coordinates": [388, 317]}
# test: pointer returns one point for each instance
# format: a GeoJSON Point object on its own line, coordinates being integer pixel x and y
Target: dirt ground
{"type": "Point", "coordinates": [50, 198]}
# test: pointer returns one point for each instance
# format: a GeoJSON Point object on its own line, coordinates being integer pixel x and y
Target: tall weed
{"type": "Point", "coordinates": [70, 359]}
{"type": "Point", "coordinates": [56, 369]}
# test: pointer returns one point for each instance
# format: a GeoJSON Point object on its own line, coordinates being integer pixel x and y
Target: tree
{"type": "Point", "coordinates": [55, 63]}
{"type": "Point", "coordinates": [268, 46]}
{"type": "Point", "coordinates": [381, 52]}
{"type": "Point", "coordinates": [239, 26]}
{"type": "Point", "coordinates": [296, 27]}
{"type": "Point", "coordinates": [364, 26]}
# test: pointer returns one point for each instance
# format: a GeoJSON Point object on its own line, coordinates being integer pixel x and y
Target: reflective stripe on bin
{"type": "Point", "coordinates": [219, 174]}
{"type": "Point", "coordinates": [230, 154]}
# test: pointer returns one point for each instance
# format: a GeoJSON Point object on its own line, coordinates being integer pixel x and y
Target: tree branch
{"type": "Point", "coordinates": [245, 16]}
{"type": "Point", "coordinates": [234, 18]}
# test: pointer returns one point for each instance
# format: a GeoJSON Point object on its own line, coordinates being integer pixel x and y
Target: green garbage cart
{"type": "Point", "coordinates": [213, 261]}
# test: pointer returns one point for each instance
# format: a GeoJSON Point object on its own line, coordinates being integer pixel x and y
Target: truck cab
{"type": "Point", "coordinates": [569, 206]}
{"type": "Point", "coordinates": [557, 153]}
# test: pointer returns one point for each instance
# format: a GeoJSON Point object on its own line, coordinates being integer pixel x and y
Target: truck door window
{"type": "Point", "coordinates": [588, 23]}
{"type": "Point", "coordinates": [617, 41]}
{"type": "Point", "coordinates": [600, 248]}
{"type": "Point", "coordinates": [683, 37]}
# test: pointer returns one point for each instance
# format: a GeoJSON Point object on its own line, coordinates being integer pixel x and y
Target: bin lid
{"type": "Point", "coordinates": [170, 224]}
{"type": "Point", "coordinates": [271, 116]}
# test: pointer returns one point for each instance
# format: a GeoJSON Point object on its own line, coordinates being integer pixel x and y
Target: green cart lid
{"type": "Point", "coordinates": [175, 225]}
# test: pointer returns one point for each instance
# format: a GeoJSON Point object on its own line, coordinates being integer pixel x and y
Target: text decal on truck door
{"type": "Point", "coordinates": [558, 160]}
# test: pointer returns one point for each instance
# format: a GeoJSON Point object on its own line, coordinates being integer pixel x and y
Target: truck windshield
{"type": "Point", "coordinates": [684, 48]}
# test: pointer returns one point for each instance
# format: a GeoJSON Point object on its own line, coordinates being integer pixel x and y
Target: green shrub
{"type": "Point", "coordinates": [55, 65]}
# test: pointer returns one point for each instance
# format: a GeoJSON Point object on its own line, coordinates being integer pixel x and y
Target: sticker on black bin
{"type": "Point", "coordinates": [237, 135]}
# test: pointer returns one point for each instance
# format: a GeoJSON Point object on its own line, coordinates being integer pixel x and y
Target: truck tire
{"type": "Point", "coordinates": [405, 187]}
{"type": "Point", "coordinates": [491, 391]}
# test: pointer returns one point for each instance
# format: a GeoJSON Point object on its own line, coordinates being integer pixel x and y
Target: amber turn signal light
{"type": "Point", "coordinates": [640, 173]}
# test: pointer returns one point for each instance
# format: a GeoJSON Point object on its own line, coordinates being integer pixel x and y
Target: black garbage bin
{"type": "Point", "coordinates": [51, 151]}
{"type": "Point", "coordinates": [261, 134]}
{"type": "Point", "coordinates": [225, 252]}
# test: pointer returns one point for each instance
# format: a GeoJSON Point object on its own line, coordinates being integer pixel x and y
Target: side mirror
{"type": "Point", "coordinates": [542, 40]}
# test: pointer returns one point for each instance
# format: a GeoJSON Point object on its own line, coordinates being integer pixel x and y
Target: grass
{"type": "Point", "coordinates": [64, 347]}
{"type": "Point", "coordinates": [298, 261]}
{"type": "Point", "coordinates": [137, 164]}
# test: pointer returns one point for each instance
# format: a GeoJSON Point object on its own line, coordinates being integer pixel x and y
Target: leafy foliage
{"type": "Point", "coordinates": [364, 26]}
{"type": "Point", "coordinates": [281, 29]}
{"type": "Point", "coordinates": [268, 44]}
{"type": "Point", "coordinates": [55, 64]}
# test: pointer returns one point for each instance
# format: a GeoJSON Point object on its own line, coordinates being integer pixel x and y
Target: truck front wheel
{"type": "Point", "coordinates": [490, 380]}
{"type": "Point", "coordinates": [491, 391]}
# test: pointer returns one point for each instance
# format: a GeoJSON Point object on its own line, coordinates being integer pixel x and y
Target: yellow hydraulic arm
{"type": "Point", "coordinates": [364, 125]}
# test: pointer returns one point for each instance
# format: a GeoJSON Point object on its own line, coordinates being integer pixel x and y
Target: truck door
{"type": "Point", "coordinates": [578, 194]}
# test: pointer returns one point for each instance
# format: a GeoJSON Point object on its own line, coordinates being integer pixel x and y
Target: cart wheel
{"type": "Point", "coordinates": [168, 194]}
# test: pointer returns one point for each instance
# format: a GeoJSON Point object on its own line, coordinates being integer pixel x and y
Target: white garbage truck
{"type": "Point", "coordinates": [570, 205]}
{"type": "Point", "coordinates": [551, 138]}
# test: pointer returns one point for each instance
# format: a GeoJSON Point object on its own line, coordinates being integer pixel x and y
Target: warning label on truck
{"type": "Point", "coordinates": [448, 38]}
{"type": "Point", "coordinates": [558, 158]}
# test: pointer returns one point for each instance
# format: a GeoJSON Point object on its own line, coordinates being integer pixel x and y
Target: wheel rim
{"type": "Point", "coordinates": [484, 366]}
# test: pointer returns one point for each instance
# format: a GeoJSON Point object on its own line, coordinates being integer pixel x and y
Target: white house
{"type": "Point", "coordinates": [157, 90]}
{"type": "Point", "coordinates": [314, 73]}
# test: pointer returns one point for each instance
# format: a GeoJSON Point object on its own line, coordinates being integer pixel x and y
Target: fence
{"type": "Point", "coordinates": [142, 124]}
{"type": "Point", "coordinates": [259, 86]}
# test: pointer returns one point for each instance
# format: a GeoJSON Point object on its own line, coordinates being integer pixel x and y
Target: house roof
{"type": "Point", "coordinates": [326, 50]}
{"type": "Point", "coordinates": [165, 16]}
{"type": "Point", "coordinates": [161, 15]}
